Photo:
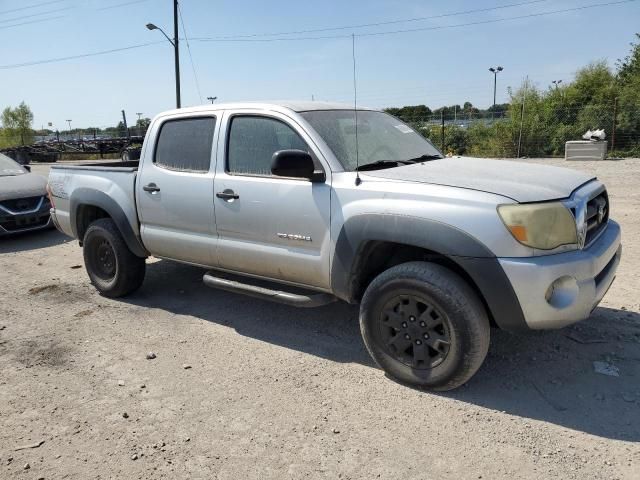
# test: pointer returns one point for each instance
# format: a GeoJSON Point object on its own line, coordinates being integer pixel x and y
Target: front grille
{"type": "Point", "coordinates": [596, 216]}
{"type": "Point", "coordinates": [21, 204]}
{"type": "Point", "coordinates": [24, 222]}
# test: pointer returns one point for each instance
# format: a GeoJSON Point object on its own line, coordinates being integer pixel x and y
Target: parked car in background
{"type": "Point", "coordinates": [24, 205]}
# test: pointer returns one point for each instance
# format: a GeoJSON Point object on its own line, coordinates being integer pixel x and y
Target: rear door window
{"type": "Point", "coordinates": [185, 144]}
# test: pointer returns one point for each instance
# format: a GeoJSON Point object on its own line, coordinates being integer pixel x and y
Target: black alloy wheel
{"type": "Point", "coordinates": [415, 331]}
{"type": "Point", "coordinates": [103, 260]}
{"type": "Point", "coordinates": [424, 325]}
{"type": "Point", "coordinates": [113, 269]}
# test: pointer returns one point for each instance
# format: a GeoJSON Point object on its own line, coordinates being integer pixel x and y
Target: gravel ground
{"type": "Point", "coordinates": [241, 388]}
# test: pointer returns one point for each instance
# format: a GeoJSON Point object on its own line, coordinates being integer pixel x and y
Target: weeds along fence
{"type": "Point", "coordinates": [530, 131]}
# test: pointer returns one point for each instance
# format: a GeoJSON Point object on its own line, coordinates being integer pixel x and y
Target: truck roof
{"type": "Point", "coordinates": [296, 106]}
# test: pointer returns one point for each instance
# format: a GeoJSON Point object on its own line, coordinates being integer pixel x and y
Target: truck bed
{"type": "Point", "coordinates": [106, 185]}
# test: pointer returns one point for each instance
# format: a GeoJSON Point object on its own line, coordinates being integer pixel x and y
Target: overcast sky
{"type": "Point", "coordinates": [431, 66]}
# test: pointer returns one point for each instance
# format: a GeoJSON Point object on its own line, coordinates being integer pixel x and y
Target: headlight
{"type": "Point", "coordinates": [540, 225]}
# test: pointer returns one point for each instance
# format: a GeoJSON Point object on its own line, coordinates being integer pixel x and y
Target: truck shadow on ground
{"type": "Point", "coordinates": [547, 376]}
{"type": "Point", "coordinates": [23, 242]}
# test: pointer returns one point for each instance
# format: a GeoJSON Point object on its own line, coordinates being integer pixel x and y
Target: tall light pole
{"type": "Point", "coordinates": [212, 99]}
{"type": "Point", "coordinates": [139, 115]}
{"type": "Point", "coordinates": [556, 83]}
{"type": "Point", "coordinates": [495, 71]}
{"type": "Point", "coordinates": [69, 122]}
{"type": "Point", "coordinates": [176, 48]}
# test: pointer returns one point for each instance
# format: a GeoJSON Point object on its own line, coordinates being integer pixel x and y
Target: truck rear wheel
{"type": "Point", "coordinates": [113, 269]}
{"type": "Point", "coordinates": [424, 326]}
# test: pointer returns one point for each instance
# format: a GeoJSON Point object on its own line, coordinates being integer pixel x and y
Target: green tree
{"type": "Point", "coordinates": [142, 124]}
{"type": "Point", "coordinates": [629, 66]}
{"type": "Point", "coordinates": [16, 125]}
{"type": "Point", "coordinates": [628, 118]}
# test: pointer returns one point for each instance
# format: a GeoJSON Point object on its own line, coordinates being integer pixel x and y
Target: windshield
{"type": "Point", "coordinates": [381, 137]}
{"type": "Point", "coordinates": [9, 167]}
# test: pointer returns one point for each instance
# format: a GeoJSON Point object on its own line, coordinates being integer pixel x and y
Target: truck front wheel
{"type": "Point", "coordinates": [424, 326]}
{"type": "Point", "coordinates": [113, 269]}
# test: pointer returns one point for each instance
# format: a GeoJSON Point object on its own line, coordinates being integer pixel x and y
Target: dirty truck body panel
{"type": "Point", "coordinates": [225, 210]}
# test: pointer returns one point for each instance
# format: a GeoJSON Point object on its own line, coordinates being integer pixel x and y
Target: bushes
{"type": "Point", "coordinates": [549, 119]}
{"type": "Point", "coordinates": [542, 121]}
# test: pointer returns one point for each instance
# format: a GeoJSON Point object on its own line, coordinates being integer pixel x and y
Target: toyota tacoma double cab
{"type": "Point", "coordinates": [306, 203]}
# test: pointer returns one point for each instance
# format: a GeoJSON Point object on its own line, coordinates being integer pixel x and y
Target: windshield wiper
{"type": "Point", "coordinates": [383, 164]}
{"type": "Point", "coordinates": [425, 157]}
{"type": "Point", "coordinates": [394, 163]}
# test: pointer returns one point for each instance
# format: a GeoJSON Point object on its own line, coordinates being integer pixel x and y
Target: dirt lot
{"type": "Point", "coordinates": [243, 389]}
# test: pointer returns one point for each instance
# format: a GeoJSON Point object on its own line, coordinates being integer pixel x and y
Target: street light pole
{"type": "Point", "coordinates": [69, 122]}
{"type": "Point", "coordinates": [177, 51]}
{"type": "Point", "coordinates": [495, 82]}
{"type": "Point", "coordinates": [176, 48]}
{"type": "Point", "coordinates": [212, 99]}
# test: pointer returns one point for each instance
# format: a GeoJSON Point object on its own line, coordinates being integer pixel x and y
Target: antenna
{"type": "Point", "coordinates": [355, 104]}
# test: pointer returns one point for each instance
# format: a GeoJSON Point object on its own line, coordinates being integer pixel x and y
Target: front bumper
{"type": "Point", "coordinates": [557, 290]}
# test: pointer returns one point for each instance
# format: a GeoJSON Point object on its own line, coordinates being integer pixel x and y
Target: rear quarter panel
{"type": "Point", "coordinates": [116, 183]}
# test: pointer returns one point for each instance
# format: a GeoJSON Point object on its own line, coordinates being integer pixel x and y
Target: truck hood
{"type": "Point", "coordinates": [522, 182]}
{"type": "Point", "coordinates": [22, 186]}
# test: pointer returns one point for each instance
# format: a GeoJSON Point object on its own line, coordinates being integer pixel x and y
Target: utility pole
{"type": "Point", "coordinates": [613, 127]}
{"type": "Point", "coordinates": [177, 51]}
{"type": "Point", "coordinates": [442, 120]}
{"type": "Point", "coordinates": [138, 124]}
{"type": "Point", "coordinates": [524, 98]}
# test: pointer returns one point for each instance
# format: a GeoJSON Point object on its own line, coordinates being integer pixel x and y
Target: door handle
{"type": "Point", "coordinates": [151, 188]}
{"type": "Point", "coordinates": [228, 195]}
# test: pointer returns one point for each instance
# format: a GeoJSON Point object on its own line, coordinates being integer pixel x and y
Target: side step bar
{"type": "Point", "coordinates": [293, 299]}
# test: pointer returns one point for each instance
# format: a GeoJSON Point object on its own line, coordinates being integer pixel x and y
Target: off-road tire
{"type": "Point", "coordinates": [463, 316]}
{"type": "Point", "coordinates": [113, 269]}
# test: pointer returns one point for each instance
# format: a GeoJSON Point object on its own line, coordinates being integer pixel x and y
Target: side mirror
{"type": "Point", "coordinates": [27, 168]}
{"type": "Point", "coordinates": [294, 163]}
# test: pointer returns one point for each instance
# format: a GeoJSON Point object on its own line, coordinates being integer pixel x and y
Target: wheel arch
{"type": "Point", "coordinates": [87, 205]}
{"type": "Point", "coordinates": [369, 244]}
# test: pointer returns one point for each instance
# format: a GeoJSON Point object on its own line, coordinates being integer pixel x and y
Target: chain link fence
{"type": "Point", "coordinates": [520, 131]}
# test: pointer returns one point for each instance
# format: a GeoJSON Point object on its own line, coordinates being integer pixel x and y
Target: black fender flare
{"type": "Point", "coordinates": [471, 255]}
{"type": "Point", "coordinates": [96, 198]}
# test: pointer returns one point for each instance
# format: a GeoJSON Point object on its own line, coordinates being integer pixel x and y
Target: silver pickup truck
{"type": "Point", "coordinates": [300, 203]}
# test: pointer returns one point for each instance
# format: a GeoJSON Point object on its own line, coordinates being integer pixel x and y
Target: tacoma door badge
{"type": "Point", "coordinates": [294, 236]}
